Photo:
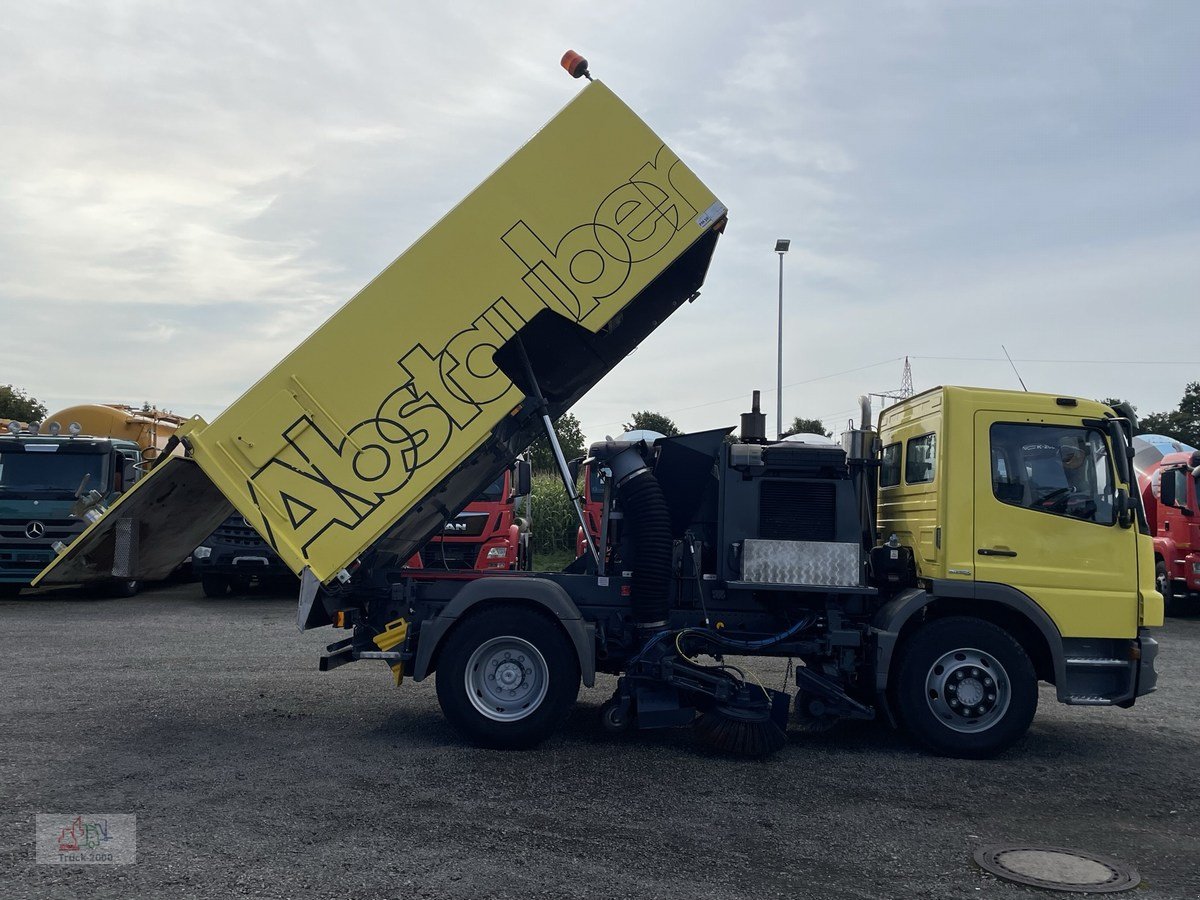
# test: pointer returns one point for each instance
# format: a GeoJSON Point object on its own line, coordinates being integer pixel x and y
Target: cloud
{"type": "Point", "coordinates": [188, 192]}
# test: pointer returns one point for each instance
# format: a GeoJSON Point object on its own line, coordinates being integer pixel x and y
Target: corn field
{"type": "Point", "coordinates": [554, 522]}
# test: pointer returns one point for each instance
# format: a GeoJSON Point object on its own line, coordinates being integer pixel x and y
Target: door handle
{"type": "Point", "coordinates": [988, 551]}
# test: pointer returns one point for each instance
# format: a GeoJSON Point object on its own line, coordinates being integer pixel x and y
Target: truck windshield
{"type": "Point", "coordinates": [49, 473]}
{"type": "Point", "coordinates": [493, 492]}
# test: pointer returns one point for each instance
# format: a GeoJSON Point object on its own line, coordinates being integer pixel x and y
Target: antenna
{"type": "Point", "coordinates": [1014, 368]}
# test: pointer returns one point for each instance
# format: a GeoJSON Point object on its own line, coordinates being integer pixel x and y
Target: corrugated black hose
{"type": "Point", "coordinates": [648, 527]}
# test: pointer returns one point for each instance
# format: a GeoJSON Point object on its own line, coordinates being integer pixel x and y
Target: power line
{"type": "Point", "coordinates": [1069, 362]}
{"type": "Point", "coordinates": [671, 412]}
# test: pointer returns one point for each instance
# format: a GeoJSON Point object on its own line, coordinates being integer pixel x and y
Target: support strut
{"type": "Point", "coordinates": [552, 437]}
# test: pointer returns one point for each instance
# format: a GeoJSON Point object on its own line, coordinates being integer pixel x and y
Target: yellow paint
{"type": "Point", "coordinates": [362, 420]}
{"type": "Point", "coordinates": [1093, 580]}
{"type": "Point", "coordinates": [393, 633]}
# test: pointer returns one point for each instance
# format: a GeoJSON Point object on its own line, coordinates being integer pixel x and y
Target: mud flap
{"type": "Point", "coordinates": [310, 613]}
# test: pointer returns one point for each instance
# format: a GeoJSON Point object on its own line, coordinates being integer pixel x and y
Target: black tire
{"type": "Point", "coordinates": [1163, 582]}
{"type": "Point", "coordinates": [804, 721]}
{"type": "Point", "coordinates": [546, 683]}
{"type": "Point", "coordinates": [613, 718]}
{"type": "Point", "coordinates": [122, 588]}
{"type": "Point", "coordinates": [9, 590]}
{"type": "Point", "coordinates": [214, 585]}
{"type": "Point", "coordinates": [977, 654]}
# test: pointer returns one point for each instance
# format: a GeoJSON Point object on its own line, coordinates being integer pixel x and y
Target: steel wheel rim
{"type": "Point", "coordinates": [506, 679]}
{"type": "Point", "coordinates": [968, 690]}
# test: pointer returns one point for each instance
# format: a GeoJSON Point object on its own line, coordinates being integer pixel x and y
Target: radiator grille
{"type": "Point", "coordinates": [797, 511]}
{"type": "Point", "coordinates": [236, 531]}
{"type": "Point", "coordinates": [450, 555]}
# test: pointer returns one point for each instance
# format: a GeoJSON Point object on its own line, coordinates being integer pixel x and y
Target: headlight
{"type": "Point", "coordinates": [202, 552]}
{"type": "Point", "coordinates": [497, 552]}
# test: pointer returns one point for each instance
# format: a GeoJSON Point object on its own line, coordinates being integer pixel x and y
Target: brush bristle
{"type": "Point", "coordinates": [739, 737]}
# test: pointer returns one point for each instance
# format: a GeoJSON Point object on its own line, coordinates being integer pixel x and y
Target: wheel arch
{"type": "Point", "coordinates": [1002, 605]}
{"type": "Point", "coordinates": [487, 593]}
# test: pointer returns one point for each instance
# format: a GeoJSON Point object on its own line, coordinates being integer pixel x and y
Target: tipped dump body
{"type": "Point", "coordinates": [411, 398]}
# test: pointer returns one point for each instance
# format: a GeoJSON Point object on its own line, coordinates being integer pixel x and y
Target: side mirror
{"type": "Point", "coordinates": [1124, 508]}
{"type": "Point", "coordinates": [129, 472]}
{"type": "Point", "coordinates": [573, 468]}
{"type": "Point", "coordinates": [523, 478]}
{"type": "Point", "coordinates": [1166, 488]}
{"type": "Point", "coordinates": [1172, 488]}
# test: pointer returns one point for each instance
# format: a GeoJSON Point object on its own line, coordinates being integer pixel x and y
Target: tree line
{"type": "Point", "coordinates": [1181, 423]}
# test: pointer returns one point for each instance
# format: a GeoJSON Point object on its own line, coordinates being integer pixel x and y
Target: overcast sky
{"type": "Point", "coordinates": [188, 190]}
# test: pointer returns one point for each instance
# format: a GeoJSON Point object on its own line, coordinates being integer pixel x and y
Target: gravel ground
{"type": "Point", "coordinates": [252, 774]}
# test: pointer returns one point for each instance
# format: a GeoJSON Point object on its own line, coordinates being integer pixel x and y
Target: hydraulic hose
{"type": "Point", "coordinates": [734, 644]}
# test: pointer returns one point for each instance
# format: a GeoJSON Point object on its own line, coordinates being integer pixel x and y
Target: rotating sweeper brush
{"type": "Point", "coordinates": [743, 731]}
{"type": "Point", "coordinates": [665, 686]}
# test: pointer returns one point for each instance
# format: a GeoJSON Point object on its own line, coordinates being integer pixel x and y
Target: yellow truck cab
{"type": "Point", "coordinates": [1020, 508]}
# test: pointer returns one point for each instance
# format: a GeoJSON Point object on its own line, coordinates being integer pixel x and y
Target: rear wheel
{"type": "Point", "coordinates": [965, 688]}
{"type": "Point", "coordinates": [214, 585]}
{"type": "Point", "coordinates": [507, 677]}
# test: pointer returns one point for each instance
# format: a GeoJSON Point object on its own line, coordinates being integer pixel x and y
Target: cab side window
{"type": "Point", "coordinates": [921, 459]}
{"type": "Point", "coordinates": [889, 469]}
{"type": "Point", "coordinates": [1057, 469]}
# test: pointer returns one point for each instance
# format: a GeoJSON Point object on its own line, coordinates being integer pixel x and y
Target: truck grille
{"type": "Point", "coordinates": [456, 555]}
{"type": "Point", "coordinates": [797, 511]}
{"type": "Point", "coordinates": [13, 534]}
{"type": "Point", "coordinates": [236, 532]}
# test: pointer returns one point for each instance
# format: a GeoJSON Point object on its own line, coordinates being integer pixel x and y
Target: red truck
{"type": "Point", "coordinates": [1168, 471]}
{"type": "Point", "coordinates": [491, 533]}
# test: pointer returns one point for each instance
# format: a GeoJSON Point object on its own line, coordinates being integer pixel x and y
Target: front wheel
{"type": "Point", "coordinates": [507, 677]}
{"type": "Point", "coordinates": [214, 585]}
{"type": "Point", "coordinates": [965, 688]}
{"type": "Point", "coordinates": [1162, 581]}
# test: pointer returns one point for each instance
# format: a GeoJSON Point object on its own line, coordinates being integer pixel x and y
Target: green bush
{"type": "Point", "coordinates": [554, 522]}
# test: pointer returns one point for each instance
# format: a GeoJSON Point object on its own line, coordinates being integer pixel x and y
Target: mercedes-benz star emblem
{"type": "Point", "coordinates": [35, 530]}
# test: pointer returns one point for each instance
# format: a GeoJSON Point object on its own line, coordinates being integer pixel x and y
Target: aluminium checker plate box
{"type": "Point", "coordinates": [801, 562]}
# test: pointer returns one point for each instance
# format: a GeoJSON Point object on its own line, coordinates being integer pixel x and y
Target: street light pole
{"type": "Point", "coordinates": [781, 247]}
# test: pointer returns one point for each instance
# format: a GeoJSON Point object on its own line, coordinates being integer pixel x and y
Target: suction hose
{"type": "Point", "coordinates": [647, 527]}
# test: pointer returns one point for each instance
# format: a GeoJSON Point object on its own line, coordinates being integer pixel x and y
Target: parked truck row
{"type": "Point", "coordinates": [930, 570]}
{"type": "Point", "coordinates": [493, 532]}
{"type": "Point", "coordinates": [57, 475]}
{"type": "Point", "coordinates": [1169, 477]}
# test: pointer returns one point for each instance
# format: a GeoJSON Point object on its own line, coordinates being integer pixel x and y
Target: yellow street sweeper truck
{"type": "Point", "coordinates": [900, 570]}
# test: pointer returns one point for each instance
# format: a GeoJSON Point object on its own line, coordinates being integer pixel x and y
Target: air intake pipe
{"type": "Point", "coordinates": [647, 527]}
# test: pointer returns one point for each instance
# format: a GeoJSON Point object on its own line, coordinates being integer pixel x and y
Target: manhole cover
{"type": "Point", "coordinates": [1058, 870]}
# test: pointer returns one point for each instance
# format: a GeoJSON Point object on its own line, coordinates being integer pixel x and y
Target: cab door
{"type": "Point", "coordinates": [1046, 521]}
